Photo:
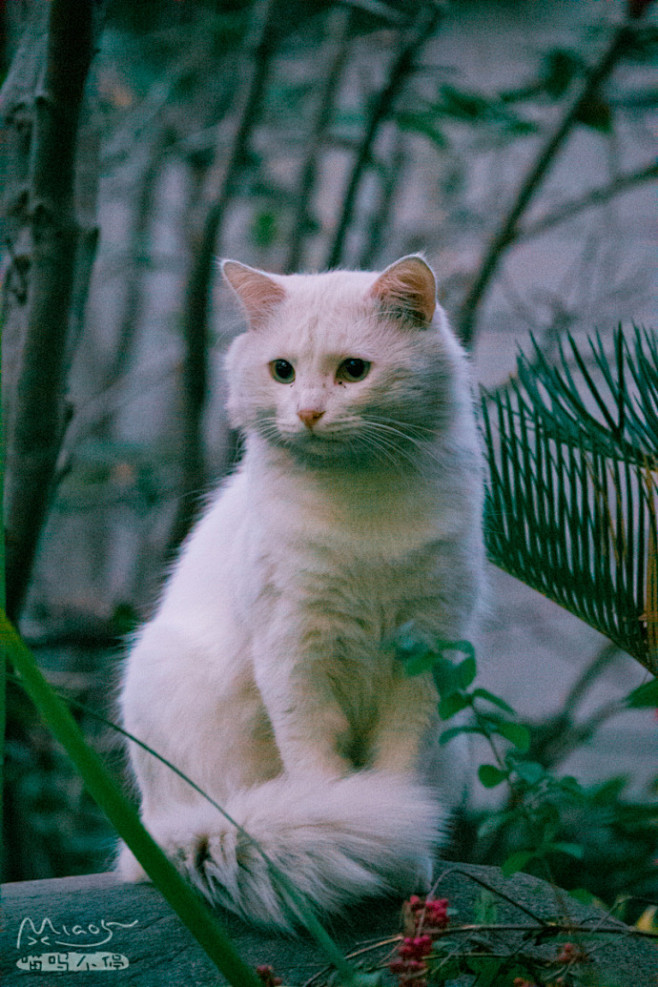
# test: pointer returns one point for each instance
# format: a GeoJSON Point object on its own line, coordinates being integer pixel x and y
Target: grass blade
{"type": "Point", "coordinates": [192, 911]}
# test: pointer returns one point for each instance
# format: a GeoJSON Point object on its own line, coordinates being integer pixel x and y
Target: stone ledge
{"type": "Point", "coordinates": [159, 951]}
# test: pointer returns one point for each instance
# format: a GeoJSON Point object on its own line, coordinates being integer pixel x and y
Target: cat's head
{"type": "Point", "coordinates": [346, 366]}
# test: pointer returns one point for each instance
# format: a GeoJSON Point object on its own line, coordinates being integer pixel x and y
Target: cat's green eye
{"type": "Point", "coordinates": [282, 371]}
{"type": "Point", "coordinates": [353, 369]}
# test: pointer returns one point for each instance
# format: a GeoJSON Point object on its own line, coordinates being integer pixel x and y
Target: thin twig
{"type": "Point", "coordinates": [146, 183]}
{"type": "Point", "coordinates": [595, 197]}
{"type": "Point", "coordinates": [494, 890]}
{"type": "Point", "coordinates": [402, 67]}
{"type": "Point", "coordinates": [389, 185]}
{"type": "Point", "coordinates": [555, 928]}
{"type": "Point", "coordinates": [338, 31]}
{"type": "Point", "coordinates": [265, 30]}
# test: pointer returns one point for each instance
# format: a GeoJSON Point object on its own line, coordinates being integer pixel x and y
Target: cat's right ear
{"type": "Point", "coordinates": [407, 288]}
{"type": "Point", "coordinates": [258, 293]}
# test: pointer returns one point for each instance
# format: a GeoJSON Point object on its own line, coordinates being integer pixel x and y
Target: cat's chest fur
{"type": "Point", "coordinates": [350, 552]}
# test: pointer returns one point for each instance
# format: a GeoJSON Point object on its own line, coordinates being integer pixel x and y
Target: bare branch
{"type": "Point", "coordinates": [380, 222]}
{"type": "Point", "coordinates": [595, 197]}
{"type": "Point", "coordinates": [338, 30]}
{"type": "Point", "coordinates": [265, 29]}
{"type": "Point", "coordinates": [402, 67]}
{"type": "Point", "coordinates": [509, 228]}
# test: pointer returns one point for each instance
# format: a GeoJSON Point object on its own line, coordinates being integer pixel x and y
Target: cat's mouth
{"type": "Point", "coordinates": [316, 444]}
{"type": "Point", "coordinates": [321, 443]}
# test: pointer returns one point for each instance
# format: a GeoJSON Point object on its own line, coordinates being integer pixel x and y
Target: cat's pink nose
{"type": "Point", "coordinates": [310, 416]}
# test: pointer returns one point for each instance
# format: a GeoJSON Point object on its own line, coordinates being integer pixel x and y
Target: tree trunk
{"type": "Point", "coordinates": [41, 104]}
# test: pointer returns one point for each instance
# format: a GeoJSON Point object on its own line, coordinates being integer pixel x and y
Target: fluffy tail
{"type": "Point", "coordinates": [335, 841]}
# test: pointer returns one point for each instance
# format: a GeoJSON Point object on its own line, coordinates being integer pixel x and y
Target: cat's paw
{"type": "Point", "coordinates": [128, 867]}
{"type": "Point", "coordinates": [176, 836]}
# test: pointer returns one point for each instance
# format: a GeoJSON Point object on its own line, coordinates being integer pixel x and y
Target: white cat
{"type": "Point", "coordinates": [267, 673]}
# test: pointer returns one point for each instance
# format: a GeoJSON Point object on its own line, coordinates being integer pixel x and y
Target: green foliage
{"type": "Point", "coordinates": [264, 228]}
{"type": "Point", "coordinates": [573, 494]}
{"type": "Point", "coordinates": [462, 106]}
{"type": "Point", "coordinates": [583, 838]}
{"type": "Point", "coordinates": [502, 114]}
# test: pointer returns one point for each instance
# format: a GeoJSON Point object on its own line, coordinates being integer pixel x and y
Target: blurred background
{"type": "Point", "coordinates": [512, 142]}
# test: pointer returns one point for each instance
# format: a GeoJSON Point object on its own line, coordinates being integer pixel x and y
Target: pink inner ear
{"type": "Point", "coordinates": [408, 286]}
{"type": "Point", "coordinates": [257, 292]}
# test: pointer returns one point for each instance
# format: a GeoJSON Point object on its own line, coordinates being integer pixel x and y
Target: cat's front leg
{"type": "Point", "coordinates": [407, 714]}
{"type": "Point", "coordinates": [310, 728]}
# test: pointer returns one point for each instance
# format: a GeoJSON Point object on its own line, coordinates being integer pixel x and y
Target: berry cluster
{"type": "Point", "coordinates": [266, 974]}
{"type": "Point", "coordinates": [570, 953]}
{"type": "Point", "coordinates": [422, 921]}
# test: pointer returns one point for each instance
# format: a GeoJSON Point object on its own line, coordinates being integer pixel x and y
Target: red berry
{"type": "Point", "coordinates": [415, 966]}
{"type": "Point", "coordinates": [397, 966]}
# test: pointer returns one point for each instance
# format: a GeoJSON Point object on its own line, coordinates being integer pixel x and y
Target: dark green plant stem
{"type": "Point", "coordinates": [509, 228]}
{"type": "Point", "coordinates": [403, 65]}
{"type": "Point", "coordinates": [183, 899]}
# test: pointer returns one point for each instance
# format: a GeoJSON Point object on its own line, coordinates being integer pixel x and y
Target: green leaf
{"type": "Point", "coordinates": [480, 693]}
{"type": "Point", "coordinates": [446, 675]}
{"type": "Point", "coordinates": [485, 908]}
{"type": "Point", "coordinates": [452, 704]}
{"type": "Point", "coordinates": [486, 968]}
{"type": "Point", "coordinates": [645, 696]}
{"type": "Point", "coordinates": [495, 821]}
{"type": "Point", "coordinates": [529, 771]}
{"type": "Point", "coordinates": [452, 732]}
{"type": "Point", "coordinates": [413, 648]}
{"type": "Point", "coordinates": [596, 113]}
{"type": "Point", "coordinates": [516, 733]}
{"type": "Point", "coordinates": [582, 895]}
{"type": "Point", "coordinates": [466, 670]}
{"type": "Point", "coordinates": [490, 775]}
{"type": "Point", "coordinates": [517, 861]}
{"type": "Point", "coordinates": [576, 850]}
{"type": "Point", "coordinates": [422, 123]}
{"type": "Point", "coordinates": [264, 228]}
{"type": "Point", "coordinates": [571, 785]}
{"type": "Point", "coordinates": [419, 663]}
{"type": "Point", "coordinates": [559, 69]}
{"type": "Point", "coordinates": [572, 444]}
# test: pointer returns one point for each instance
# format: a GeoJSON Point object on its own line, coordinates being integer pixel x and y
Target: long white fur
{"type": "Point", "coordinates": [266, 674]}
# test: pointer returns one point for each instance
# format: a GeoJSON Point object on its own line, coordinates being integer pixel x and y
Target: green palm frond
{"type": "Point", "coordinates": [572, 500]}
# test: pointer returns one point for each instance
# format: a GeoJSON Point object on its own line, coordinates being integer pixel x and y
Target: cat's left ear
{"type": "Point", "coordinates": [258, 292]}
{"type": "Point", "coordinates": [407, 288]}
